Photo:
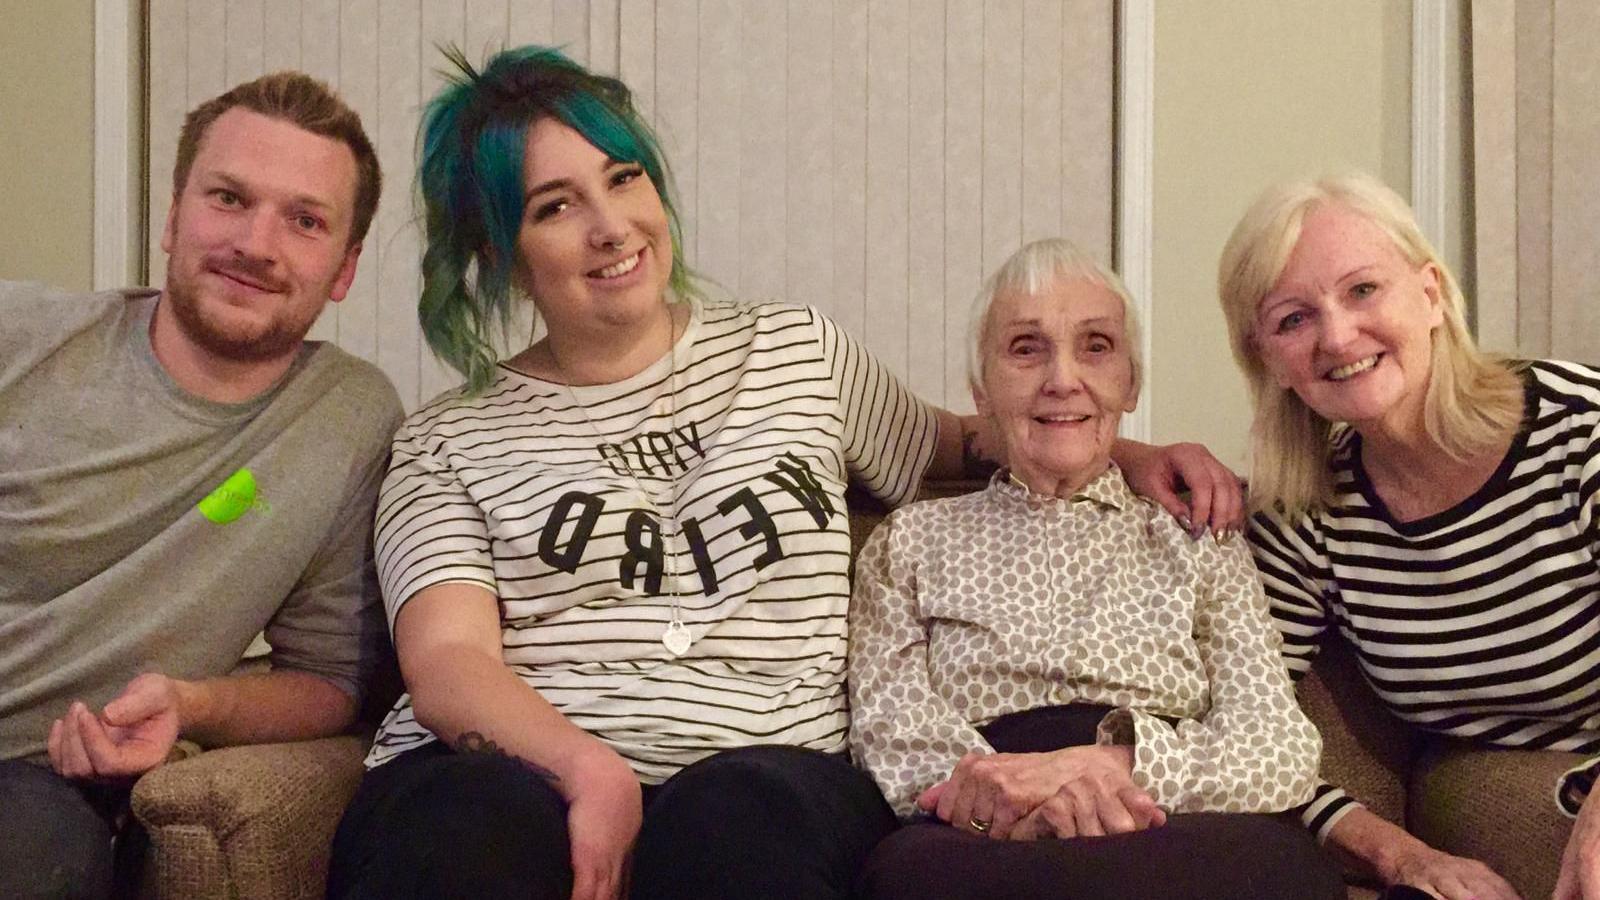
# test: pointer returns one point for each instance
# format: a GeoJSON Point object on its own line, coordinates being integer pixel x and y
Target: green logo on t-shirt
{"type": "Point", "coordinates": [232, 499]}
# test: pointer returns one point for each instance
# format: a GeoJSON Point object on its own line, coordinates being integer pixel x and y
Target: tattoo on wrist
{"type": "Point", "coordinates": [973, 463]}
{"type": "Point", "coordinates": [475, 742]}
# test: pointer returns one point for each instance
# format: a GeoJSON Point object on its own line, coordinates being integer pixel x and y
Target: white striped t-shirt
{"type": "Point", "coordinates": [1479, 622]}
{"type": "Point", "coordinates": [756, 421]}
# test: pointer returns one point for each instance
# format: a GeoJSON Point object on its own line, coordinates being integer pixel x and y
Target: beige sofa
{"type": "Point", "coordinates": [256, 822]}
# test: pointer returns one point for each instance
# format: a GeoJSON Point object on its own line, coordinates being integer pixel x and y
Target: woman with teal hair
{"type": "Point", "coordinates": [616, 563]}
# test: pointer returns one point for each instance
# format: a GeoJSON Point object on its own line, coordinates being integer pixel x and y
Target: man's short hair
{"type": "Point", "coordinates": [301, 100]}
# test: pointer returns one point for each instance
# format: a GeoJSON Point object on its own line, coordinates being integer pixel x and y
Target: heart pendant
{"type": "Point", "coordinates": [676, 638]}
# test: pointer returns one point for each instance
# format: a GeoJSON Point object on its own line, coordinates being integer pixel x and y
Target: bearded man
{"type": "Point", "coordinates": [180, 470]}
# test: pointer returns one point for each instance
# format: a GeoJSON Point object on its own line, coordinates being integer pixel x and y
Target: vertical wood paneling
{"type": "Point", "coordinates": [319, 57]}
{"type": "Point", "coordinates": [208, 73]}
{"type": "Point", "coordinates": [358, 84]}
{"type": "Point", "coordinates": [602, 40]}
{"type": "Point", "coordinates": [720, 85]}
{"type": "Point", "coordinates": [169, 100]}
{"type": "Point", "coordinates": [1575, 184]}
{"type": "Point", "coordinates": [443, 25]}
{"type": "Point", "coordinates": [486, 23]}
{"type": "Point", "coordinates": [319, 39]}
{"type": "Point", "coordinates": [532, 22]}
{"type": "Point", "coordinates": [570, 28]}
{"type": "Point", "coordinates": [1494, 174]}
{"type": "Point", "coordinates": [849, 102]}
{"type": "Point", "coordinates": [1041, 119]}
{"type": "Point", "coordinates": [677, 107]}
{"type": "Point", "coordinates": [963, 183]}
{"type": "Point", "coordinates": [1088, 181]}
{"type": "Point", "coordinates": [1002, 131]}
{"type": "Point", "coordinates": [927, 362]}
{"type": "Point", "coordinates": [873, 157]}
{"type": "Point", "coordinates": [1534, 262]}
{"type": "Point", "coordinates": [808, 245]}
{"type": "Point", "coordinates": [636, 52]}
{"type": "Point", "coordinates": [244, 41]}
{"type": "Point", "coordinates": [763, 193]}
{"type": "Point", "coordinates": [888, 148]}
{"type": "Point", "coordinates": [393, 247]}
{"type": "Point", "coordinates": [280, 36]}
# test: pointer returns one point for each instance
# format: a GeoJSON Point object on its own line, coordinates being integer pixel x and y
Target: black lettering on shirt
{"type": "Point", "coordinates": [650, 553]}
{"type": "Point", "coordinates": [689, 436]}
{"type": "Point", "coordinates": [803, 486]}
{"type": "Point", "coordinates": [663, 447]}
{"type": "Point", "coordinates": [760, 524]}
{"type": "Point", "coordinates": [611, 454]}
{"type": "Point", "coordinates": [702, 555]}
{"type": "Point", "coordinates": [567, 560]}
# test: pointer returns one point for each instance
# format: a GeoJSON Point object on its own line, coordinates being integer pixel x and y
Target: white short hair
{"type": "Point", "coordinates": [1033, 269]}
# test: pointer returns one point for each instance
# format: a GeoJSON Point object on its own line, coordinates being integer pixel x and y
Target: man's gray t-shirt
{"type": "Point", "coordinates": [145, 529]}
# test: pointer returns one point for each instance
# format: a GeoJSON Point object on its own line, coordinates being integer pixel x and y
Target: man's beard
{"type": "Point", "coordinates": [277, 338]}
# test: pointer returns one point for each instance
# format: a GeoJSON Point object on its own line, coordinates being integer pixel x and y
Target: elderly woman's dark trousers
{"type": "Point", "coordinates": [760, 822]}
{"type": "Point", "coordinates": [1198, 856]}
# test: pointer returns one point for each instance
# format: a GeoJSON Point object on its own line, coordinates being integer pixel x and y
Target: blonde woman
{"type": "Point", "coordinates": [1439, 507]}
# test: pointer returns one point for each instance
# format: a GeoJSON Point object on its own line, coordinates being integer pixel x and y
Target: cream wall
{"type": "Point", "coordinates": [1246, 92]}
{"type": "Point", "coordinates": [47, 141]}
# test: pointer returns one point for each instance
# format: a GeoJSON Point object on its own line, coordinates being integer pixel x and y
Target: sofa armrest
{"type": "Point", "coordinates": [1365, 750]}
{"type": "Point", "coordinates": [247, 822]}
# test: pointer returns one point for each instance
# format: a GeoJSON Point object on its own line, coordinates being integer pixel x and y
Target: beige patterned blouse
{"type": "Point", "coordinates": [972, 607]}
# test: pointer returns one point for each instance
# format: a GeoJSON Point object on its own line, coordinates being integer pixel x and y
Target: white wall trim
{"type": "Point", "coordinates": [1136, 44]}
{"type": "Point", "coordinates": [117, 244]}
{"type": "Point", "coordinates": [1432, 24]}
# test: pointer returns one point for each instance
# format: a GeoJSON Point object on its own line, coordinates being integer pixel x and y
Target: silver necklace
{"type": "Point", "coordinates": [676, 638]}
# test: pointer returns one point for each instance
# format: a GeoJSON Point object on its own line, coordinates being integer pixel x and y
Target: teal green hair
{"type": "Point", "coordinates": [473, 138]}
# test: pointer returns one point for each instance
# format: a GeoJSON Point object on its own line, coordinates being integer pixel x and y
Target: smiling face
{"type": "Point", "coordinates": [1057, 376]}
{"type": "Point", "coordinates": [257, 237]}
{"type": "Point", "coordinates": [1348, 326]}
{"type": "Point", "coordinates": [594, 250]}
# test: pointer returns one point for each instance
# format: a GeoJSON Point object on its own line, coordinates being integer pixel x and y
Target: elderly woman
{"type": "Point", "coordinates": [616, 562]}
{"type": "Point", "coordinates": [1442, 508]}
{"type": "Point", "coordinates": [1052, 659]}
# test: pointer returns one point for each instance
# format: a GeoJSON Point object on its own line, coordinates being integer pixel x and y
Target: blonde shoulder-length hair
{"type": "Point", "coordinates": [1474, 400]}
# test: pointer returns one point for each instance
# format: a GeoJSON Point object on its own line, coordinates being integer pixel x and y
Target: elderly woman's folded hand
{"type": "Point", "coordinates": [1072, 792]}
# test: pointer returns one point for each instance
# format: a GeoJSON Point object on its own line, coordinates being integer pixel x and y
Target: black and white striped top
{"type": "Point", "coordinates": [717, 474]}
{"type": "Point", "coordinates": [1479, 622]}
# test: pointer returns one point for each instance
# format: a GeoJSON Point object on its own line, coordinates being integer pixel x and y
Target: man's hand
{"type": "Point", "coordinates": [1020, 795]}
{"type": "Point", "coordinates": [1216, 499]}
{"type": "Point", "coordinates": [131, 736]}
{"type": "Point", "coordinates": [1580, 864]}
